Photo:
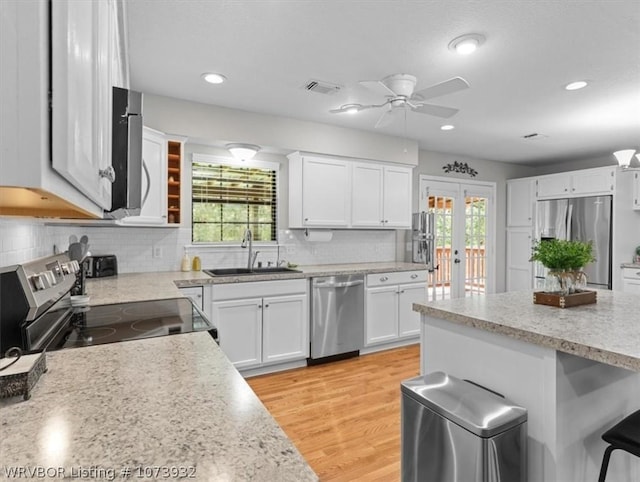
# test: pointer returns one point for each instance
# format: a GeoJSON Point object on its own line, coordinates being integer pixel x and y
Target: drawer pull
{"type": "Point", "coordinates": [383, 278]}
{"type": "Point", "coordinates": [414, 276]}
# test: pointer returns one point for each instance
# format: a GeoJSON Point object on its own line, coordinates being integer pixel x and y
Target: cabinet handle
{"type": "Point", "coordinates": [109, 173]}
{"type": "Point", "coordinates": [638, 273]}
{"type": "Point", "coordinates": [414, 276]}
{"type": "Point", "coordinates": [259, 306]}
{"type": "Point", "coordinates": [266, 306]}
{"type": "Point", "coordinates": [402, 292]}
{"type": "Point", "coordinates": [306, 219]}
{"type": "Point", "coordinates": [384, 278]}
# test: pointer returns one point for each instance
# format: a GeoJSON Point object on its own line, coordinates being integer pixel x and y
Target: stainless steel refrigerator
{"type": "Point", "coordinates": [582, 219]}
{"type": "Point", "coordinates": [423, 239]}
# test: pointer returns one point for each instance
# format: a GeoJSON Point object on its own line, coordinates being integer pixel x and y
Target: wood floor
{"type": "Point", "coordinates": [344, 417]}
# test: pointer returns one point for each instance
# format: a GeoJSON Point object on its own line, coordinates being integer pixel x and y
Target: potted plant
{"type": "Point", "coordinates": [564, 259]}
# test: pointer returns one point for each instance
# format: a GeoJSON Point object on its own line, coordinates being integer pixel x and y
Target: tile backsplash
{"type": "Point", "coordinates": [161, 249]}
{"type": "Point", "coordinates": [22, 240]}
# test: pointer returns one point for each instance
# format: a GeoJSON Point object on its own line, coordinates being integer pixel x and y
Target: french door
{"type": "Point", "coordinates": [464, 215]}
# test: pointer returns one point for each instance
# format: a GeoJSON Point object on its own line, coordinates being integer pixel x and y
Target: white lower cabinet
{"type": "Point", "coordinates": [389, 306]}
{"type": "Point", "coordinates": [269, 328]}
{"type": "Point", "coordinates": [631, 280]}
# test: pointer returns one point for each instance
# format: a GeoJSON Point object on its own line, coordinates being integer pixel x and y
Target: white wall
{"type": "Point", "coordinates": [208, 122]}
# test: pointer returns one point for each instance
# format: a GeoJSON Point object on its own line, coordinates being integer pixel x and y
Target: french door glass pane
{"type": "Point", "coordinates": [475, 245]}
{"type": "Point", "coordinates": [440, 286]}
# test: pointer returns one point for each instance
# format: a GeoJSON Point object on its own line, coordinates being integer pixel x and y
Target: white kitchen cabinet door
{"type": "Point", "coordinates": [83, 38]}
{"type": "Point", "coordinates": [154, 180]}
{"type": "Point", "coordinates": [409, 320]}
{"type": "Point", "coordinates": [381, 315]}
{"type": "Point", "coordinates": [593, 181]}
{"type": "Point", "coordinates": [553, 186]}
{"type": "Point", "coordinates": [519, 268]}
{"type": "Point", "coordinates": [636, 191]}
{"type": "Point", "coordinates": [285, 328]}
{"type": "Point", "coordinates": [397, 197]}
{"type": "Point", "coordinates": [367, 195]}
{"type": "Point", "coordinates": [326, 192]}
{"type": "Point", "coordinates": [631, 286]}
{"type": "Point", "coordinates": [520, 202]}
{"type": "Point", "coordinates": [239, 325]}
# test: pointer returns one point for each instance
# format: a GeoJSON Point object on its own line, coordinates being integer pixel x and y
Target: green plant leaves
{"type": "Point", "coordinates": [562, 254]}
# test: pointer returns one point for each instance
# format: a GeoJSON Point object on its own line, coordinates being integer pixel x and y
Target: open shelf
{"type": "Point", "coordinates": [174, 181]}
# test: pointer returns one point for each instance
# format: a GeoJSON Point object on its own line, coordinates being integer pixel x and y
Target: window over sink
{"type": "Point", "coordinates": [230, 196]}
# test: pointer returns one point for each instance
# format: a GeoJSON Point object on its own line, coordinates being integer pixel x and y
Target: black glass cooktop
{"type": "Point", "coordinates": [97, 325]}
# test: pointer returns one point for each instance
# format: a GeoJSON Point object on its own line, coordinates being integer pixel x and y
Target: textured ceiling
{"type": "Point", "coordinates": [269, 49]}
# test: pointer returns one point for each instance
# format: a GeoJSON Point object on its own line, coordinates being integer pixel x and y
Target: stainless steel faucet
{"type": "Point", "coordinates": [247, 240]}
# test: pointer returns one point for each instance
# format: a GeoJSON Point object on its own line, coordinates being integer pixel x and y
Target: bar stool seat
{"type": "Point", "coordinates": [625, 435]}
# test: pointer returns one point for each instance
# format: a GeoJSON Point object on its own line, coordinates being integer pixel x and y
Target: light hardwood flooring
{"type": "Point", "coordinates": [344, 417]}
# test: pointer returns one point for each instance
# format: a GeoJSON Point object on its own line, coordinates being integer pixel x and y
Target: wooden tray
{"type": "Point", "coordinates": [564, 301]}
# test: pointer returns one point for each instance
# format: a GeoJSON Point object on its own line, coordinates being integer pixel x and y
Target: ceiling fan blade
{"type": "Point", "coordinates": [377, 87]}
{"type": "Point", "coordinates": [447, 87]}
{"type": "Point", "coordinates": [436, 110]}
{"type": "Point", "coordinates": [338, 111]}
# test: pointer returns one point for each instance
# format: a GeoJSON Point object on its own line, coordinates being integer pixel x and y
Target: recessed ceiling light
{"type": "Point", "coordinates": [576, 85]}
{"type": "Point", "coordinates": [466, 44]}
{"type": "Point", "coordinates": [447, 127]}
{"type": "Point", "coordinates": [213, 78]}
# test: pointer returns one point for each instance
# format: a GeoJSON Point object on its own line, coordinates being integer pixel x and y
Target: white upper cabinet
{"type": "Point", "coordinates": [586, 182]}
{"type": "Point", "coordinates": [367, 195]}
{"type": "Point", "coordinates": [86, 63]}
{"type": "Point", "coordinates": [319, 191]}
{"type": "Point", "coordinates": [154, 180]}
{"type": "Point", "coordinates": [636, 191]}
{"type": "Point", "coordinates": [520, 202]}
{"type": "Point", "coordinates": [340, 193]}
{"type": "Point", "coordinates": [397, 197]}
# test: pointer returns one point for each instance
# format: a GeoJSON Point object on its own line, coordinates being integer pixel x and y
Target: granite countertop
{"type": "Point", "coordinates": [607, 331]}
{"type": "Point", "coordinates": [161, 285]}
{"type": "Point", "coordinates": [172, 403]}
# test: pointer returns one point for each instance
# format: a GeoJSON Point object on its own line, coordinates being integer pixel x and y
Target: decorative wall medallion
{"type": "Point", "coordinates": [462, 167]}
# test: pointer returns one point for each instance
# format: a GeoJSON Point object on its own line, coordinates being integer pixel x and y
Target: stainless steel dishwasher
{"type": "Point", "coordinates": [337, 317]}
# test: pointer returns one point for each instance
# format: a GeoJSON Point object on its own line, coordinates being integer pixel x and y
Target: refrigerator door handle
{"type": "Point", "coordinates": [569, 216]}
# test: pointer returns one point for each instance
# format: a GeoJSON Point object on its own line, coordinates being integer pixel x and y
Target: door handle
{"type": "Point", "coordinates": [456, 261]}
{"type": "Point", "coordinates": [148, 176]}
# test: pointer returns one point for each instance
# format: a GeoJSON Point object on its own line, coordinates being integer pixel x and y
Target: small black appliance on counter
{"type": "Point", "coordinates": [101, 266]}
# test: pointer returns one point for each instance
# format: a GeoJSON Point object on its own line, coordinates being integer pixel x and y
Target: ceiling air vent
{"type": "Point", "coordinates": [533, 136]}
{"type": "Point", "coordinates": [321, 87]}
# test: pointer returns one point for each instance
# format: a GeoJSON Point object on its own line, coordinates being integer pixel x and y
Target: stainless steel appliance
{"type": "Point", "coordinates": [36, 313]}
{"type": "Point", "coordinates": [583, 219]}
{"type": "Point", "coordinates": [455, 430]}
{"type": "Point", "coordinates": [337, 317]}
{"type": "Point", "coordinates": [127, 165]}
{"type": "Point", "coordinates": [100, 266]}
{"type": "Point", "coordinates": [423, 239]}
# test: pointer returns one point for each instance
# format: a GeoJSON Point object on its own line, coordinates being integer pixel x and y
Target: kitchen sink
{"type": "Point", "coordinates": [247, 271]}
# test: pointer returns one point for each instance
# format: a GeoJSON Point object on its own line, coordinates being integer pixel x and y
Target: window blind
{"type": "Point", "coordinates": [228, 199]}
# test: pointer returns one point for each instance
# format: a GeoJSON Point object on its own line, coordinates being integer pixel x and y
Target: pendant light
{"type": "Point", "coordinates": [624, 157]}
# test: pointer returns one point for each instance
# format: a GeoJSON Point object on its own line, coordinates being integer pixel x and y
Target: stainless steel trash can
{"type": "Point", "coordinates": [456, 431]}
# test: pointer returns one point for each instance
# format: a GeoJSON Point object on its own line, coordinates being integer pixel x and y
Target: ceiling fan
{"type": "Point", "coordinates": [399, 92]}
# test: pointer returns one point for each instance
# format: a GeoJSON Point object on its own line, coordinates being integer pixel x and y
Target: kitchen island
{"type": "Point", "coordinates": [165, 408]}
{"type": "Point", "coordinates": [576, 371]}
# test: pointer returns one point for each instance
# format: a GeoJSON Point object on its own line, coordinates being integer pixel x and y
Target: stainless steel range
{"type": "Point", "coordinates": [36, 312]}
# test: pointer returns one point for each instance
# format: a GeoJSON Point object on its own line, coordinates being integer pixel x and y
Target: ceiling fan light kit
{"type": "Point", "coordinates": [241, 151]}
{"type": "Point", "coordinates": [447, 127]}
{"type": "Point", "coordinates": [466, 44]}
{"type": "Point", "coordinates": [624, 157]}
{"type": "Point", "coordinates": [579, 84]}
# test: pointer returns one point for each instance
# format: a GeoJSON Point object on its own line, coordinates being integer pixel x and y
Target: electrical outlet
{"type": "Point", "coordinates": [157, 252]}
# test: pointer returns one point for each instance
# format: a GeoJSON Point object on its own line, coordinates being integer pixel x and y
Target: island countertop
{"type": "Point", "coordinates": [607, 331]}
{"type": "Point", "coordinates": [166, 404]}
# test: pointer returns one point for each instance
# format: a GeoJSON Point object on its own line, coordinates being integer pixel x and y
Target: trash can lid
{"type": "Point", "coordinates": [474, 408]}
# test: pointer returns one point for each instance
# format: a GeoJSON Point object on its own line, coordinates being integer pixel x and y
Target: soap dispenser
{"type": "Point", "coordinates": [186, 262]}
